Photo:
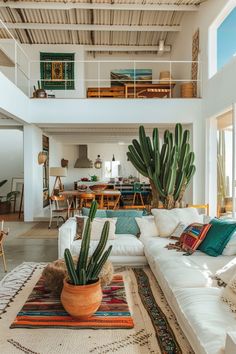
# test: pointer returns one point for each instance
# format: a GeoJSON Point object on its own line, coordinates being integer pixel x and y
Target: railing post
{"type": "Point", "coordinates": [134, 68]}
{"type": "Point", "coordinates": [29, 80]}
{"type": "Point", "coordinates": [99, 78]}
{"type": "Point", "coordinates": [170, 95]}
{"type": "Point", "coordinates": [234, 161]}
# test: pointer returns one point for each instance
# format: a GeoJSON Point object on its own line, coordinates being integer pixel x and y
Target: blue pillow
{"type": "Point", "coordinates": [217, 237]}
{"type": "Point", "coordinates": [126, 223]}
{"type": "Point", "coordinates": [100, 213]}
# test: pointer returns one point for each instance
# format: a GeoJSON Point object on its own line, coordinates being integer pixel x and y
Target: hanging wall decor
{"type": "Point", "coordinates": [195, 58]}
{"type": "Point", "coordinates": [57, 71]}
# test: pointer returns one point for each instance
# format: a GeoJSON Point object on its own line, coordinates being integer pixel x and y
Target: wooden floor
{"type": "Point", "coordinates": [11, 217]}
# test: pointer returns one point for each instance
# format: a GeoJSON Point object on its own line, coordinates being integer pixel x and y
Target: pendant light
{"type": "Point", "coordinates": [113, 158]}
{"type": "Point", "coordinates": [98, 162]}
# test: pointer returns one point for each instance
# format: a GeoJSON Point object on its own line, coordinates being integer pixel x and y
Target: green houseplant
{"type": "Point", "coordinates": [81, 295]}
{"type": "Point", "coordinates": [169, 167]}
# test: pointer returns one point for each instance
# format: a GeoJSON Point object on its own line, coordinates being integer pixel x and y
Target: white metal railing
{"type": "Point", "coordinates": [96, 75]}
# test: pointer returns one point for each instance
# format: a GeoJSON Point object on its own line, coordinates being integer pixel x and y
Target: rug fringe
{"type": "Point", "coordinates": [14, 281]}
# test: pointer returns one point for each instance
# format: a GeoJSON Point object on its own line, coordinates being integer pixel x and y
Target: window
{"type": "Point", "coordinates": [226, 40]}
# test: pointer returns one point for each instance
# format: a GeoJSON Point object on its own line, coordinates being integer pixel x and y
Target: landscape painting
{"type": "Point", "coordinates": [129, 76]}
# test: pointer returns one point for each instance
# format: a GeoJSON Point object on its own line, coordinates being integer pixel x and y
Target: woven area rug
{"type": "Point", "coordinates": [40, 231]}
{"type": "Point", "coordinates": [155, 329]}
{"type": "Point", "coordinates": [43, 310]}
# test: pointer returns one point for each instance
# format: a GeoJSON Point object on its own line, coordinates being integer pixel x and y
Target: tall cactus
{"type": "Point", "coordinates": [169, 168]}
{"type": "Point", "coordinates": [86, 270]}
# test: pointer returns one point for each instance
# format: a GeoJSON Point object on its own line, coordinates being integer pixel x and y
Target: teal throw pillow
{"type": "Point", "coordinates": [126, 223]}
{"type": "Point", "coordinates": [100, 213]}
{"type": "Point", "coordinates": [217, 237]}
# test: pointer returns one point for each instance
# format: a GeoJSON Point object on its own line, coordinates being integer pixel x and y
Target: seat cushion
{"type": "Point", "coordinates": [217, 237]}
{"type": "Point", "coordinates": [100, 213]}
{"type": "Point", "coordinates": [123, 245]}
{"type": "Point", "coordinates": [204, 318]}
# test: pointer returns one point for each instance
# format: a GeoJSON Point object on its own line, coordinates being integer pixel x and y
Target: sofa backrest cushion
{"type": "Point", "coordinates": [217, 237]}
{"type": "Point", "coordinates": [100, 213]}
{"type": "Point", "coordinates": [126, 223]}
{"type": "Point", "coordinates": [147, 227]}
{"type": "Point", "coordinates": [168, 220]}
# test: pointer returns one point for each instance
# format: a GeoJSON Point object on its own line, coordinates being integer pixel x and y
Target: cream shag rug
{"type": "Point", "coordinates": [146, 301]}
{"type": "Point", "coordinates": [40, 231]}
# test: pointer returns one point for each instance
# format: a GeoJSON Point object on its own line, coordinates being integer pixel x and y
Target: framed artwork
{"type": "Point", "coordinates": [129, 76]}
{"type": "Point", "coordinates": [58, 69]}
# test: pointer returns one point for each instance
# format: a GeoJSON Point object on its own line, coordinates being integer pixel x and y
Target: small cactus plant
{"type": "Point", "coordinates": [87, 270]}
{"type": "Point", "coordinates": [169, 168]}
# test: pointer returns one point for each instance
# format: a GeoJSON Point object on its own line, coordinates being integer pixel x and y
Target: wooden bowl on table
{"type": "Point", "coordinates": [96, 188]}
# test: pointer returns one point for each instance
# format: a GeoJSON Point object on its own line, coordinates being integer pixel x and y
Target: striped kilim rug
{"type": "Point", "coordinates": [43, 310]}
{"type": "Point", "coordinates": [155, 331]}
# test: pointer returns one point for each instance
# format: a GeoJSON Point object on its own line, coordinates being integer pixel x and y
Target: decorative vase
{"type": "Point", "coordinates": [81, 301]}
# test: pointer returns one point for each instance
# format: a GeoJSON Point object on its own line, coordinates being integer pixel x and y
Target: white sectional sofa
{"type": "Point", "coordinates": [186, 282]}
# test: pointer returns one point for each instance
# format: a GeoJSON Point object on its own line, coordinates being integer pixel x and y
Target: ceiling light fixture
{"type": "Point", "coordinates": [161, 45]}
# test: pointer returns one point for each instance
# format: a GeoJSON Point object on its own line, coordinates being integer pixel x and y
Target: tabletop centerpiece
{"type": "Point", "coordinates": [82, 294]}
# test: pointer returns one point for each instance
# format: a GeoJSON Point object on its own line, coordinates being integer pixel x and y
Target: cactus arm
{"type": "Point", "coordinates": [70, 267]}
{"type": "Point", "coordinates": [150, 148]}
{"type": "Point", "coordinates": [179, 184]}
{"type": "Point", "coordinates": [155, 138]}
{"type": "Point", "coordinates": [144, 146]}
{"type": "Point", "coordinates": [137, 148]}
{"type": "Point", "coordinates": [84, 250]}
{"type": "Point", "coordinates": [93, 210]}
{"type": "Point", "coordinates": [157, 164]}
{"type": "Point", "coordinates": [157, 183]}
{"type": "Point", "coordinates": [136, 157]}
{"type": "Point", "coordinates": [186, 137]}
{"type": "Point", "coordinates": [189, 161]}
{"type": "Point", "coordinates": [190, 174]}
{"type": "Point", "coordinates": [178, 135]}
{"type": "Point", "coordinates": [171, 182]}
{"type": "Point", "coordinates": [184, 155]}
{"type": "Point", "coordinates": [101, 263]}
{"type": "Point", "coordinates": [82, 276]}
{"type": "Point", "coordinates": [101, 244]}
{"type": "Point", "coordinates": [134, 162]}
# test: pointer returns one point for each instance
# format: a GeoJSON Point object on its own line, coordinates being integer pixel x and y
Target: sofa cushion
{"type": "Point", "coordinates": [192, 236]}
{"type": "Point", "coordinates": [205, 318]}
{"type": "Point", "coordinates": [147, 226]}
{"type": "Point", "coordinates": [168, 220]}
{"type": "Point", "coordinates": [230, 248]}
{"type": "Point", "coordinates": [229, 294]}
{"type": "Point", "coordinates": [123, 245]}
{"type": "Point", "coordinates": [100, 213]}
{"type": "Point", "coordinates": [126, 223]}
{"type": "Point", "coordinates": [217, 237]}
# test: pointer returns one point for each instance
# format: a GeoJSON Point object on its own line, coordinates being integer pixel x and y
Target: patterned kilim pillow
{"type": "Point", "coordinates": [192, 236]}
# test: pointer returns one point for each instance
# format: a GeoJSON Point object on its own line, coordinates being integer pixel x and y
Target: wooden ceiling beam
{"type": "Point", "coordinates": [82, 27]}
{"type": "Point", "coordinates": [96, 6]}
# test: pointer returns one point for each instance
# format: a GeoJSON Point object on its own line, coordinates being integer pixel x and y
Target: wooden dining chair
{"type": "Point", "coordinates": [137, 193]}
{"type": "Point", "coordinates": [86, 199]}
{"type": "Point", "coordinates": [111, 201]}
{"type": "Point", "coordinates": [59, 209]}
{"type": "Point", "coordinates": [2, 254]}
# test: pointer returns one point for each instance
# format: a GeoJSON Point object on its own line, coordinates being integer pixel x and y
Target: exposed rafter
{"type": "Point", "coordinates": [125, 48]}
{"type": "Point", "coordinates": [95, 6]}
{"type": "Point", "coordinates": [82, 27]}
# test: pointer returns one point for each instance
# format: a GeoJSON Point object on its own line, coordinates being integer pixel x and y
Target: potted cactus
{"type": "Point", "coordinates": [82, 294]}
{"type": "Point", "coordinates": [169, 168]}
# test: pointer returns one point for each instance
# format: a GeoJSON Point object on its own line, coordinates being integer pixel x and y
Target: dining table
{"type": "Point", "coordinates": [101, 195]}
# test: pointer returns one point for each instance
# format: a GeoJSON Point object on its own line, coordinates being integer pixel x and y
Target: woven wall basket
{"type": "Point", "coordinates": [42, 157]}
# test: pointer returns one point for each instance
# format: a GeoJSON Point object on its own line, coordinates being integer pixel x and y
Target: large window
{"type": "Point", "coordinates": [226, 40]}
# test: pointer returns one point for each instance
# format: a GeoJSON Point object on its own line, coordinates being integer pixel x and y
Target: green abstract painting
{"type": "Point", "coordinates": [57, 71]}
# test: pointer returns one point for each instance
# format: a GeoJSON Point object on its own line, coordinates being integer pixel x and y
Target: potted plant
{"type": "Point", "coordinates": [169, 167]}
{"type": "Point", "coordinates": [82, 294]}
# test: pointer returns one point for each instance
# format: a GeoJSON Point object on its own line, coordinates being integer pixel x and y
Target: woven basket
{"type": "Point", "coordinates": [165, 77]}
{"type": "Point", "coordinates": [42, 157]}
{"type": "Point", "coordinates": [186, 90]}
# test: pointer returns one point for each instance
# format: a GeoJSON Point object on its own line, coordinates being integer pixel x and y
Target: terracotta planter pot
{"type": "Point", "coordinates": [81, 301]}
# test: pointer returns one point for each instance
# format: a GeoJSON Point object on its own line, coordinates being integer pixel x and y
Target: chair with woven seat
{"type": "Point", "coordinates": [2, 254]}
{"type": "Point", "coordinates": [111, 201]}
{"type": "Point", "coordinates": [59, 209]}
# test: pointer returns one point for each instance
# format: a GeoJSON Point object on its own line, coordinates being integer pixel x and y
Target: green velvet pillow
{"type": "Point", "coordinates": [100, 213]}
{"type": "Point", "coordinates": [126, 223]}
{"type": "Point", "coordinates": [217, 237]}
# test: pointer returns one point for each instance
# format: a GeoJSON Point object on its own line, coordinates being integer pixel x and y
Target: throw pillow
{"type": "Point", "coordinates": [229, 294]}
{"type": "Point", "coordinates": [168, 220]}
{"type": "Point", "coordinates": [217, 237]}
{"type": "Point", "coordinates": [147, 226]}
{"type": "Point", "coordinates": [126, 223]}
{"type": "Point", "coordinates": [226, 273]}
{"type": "Point", "coordinates": [230, 248]}
{"type": "Point", "coordinates": [100, 213]}
{"type": "Point", "coordinates": [80, 226]}
{"type": "Point", "coordinates": [178, 231]}
{"type": "Point", "coordinates": [97, 226]}
{"type": "Point", "coordinates": [191, 238]}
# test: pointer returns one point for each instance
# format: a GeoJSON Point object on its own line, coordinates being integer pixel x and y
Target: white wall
{"type": "Point", "coordinates": [11, 157]}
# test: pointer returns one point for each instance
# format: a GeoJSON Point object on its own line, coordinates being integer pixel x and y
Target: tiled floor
{"type": "Point", "coordinates": [20, 250]}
